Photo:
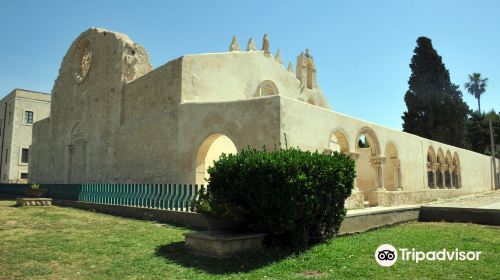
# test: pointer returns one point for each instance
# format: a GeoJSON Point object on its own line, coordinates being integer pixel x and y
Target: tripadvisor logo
{"type": "Point", "coordinates": [387, 255]}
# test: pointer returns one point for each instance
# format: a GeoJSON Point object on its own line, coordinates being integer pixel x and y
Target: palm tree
{"type": "Point", "coordinates": [476, 86]}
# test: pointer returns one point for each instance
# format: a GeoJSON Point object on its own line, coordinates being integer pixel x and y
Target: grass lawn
{"type": "Point", "coordinates": [65, 243]}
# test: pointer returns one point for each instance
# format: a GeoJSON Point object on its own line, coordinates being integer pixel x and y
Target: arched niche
{"type": "Point", "coordinates": [209, 151]}
{"type": "Point", "coordinates": [267, 88]}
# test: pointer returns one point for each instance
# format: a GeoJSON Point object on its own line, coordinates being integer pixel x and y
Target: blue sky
{"type": "Point", "coordinates": [362, 49]}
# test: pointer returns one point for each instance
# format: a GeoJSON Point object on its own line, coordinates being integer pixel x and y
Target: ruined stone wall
{"type": "Point", "coordinates": [85, 111]}
{"type": "Point", "coordinates": [156, 93]}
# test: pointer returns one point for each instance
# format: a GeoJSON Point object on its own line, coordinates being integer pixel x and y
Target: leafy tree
{"type": "Point", "coordinates": [476, 87]}
{"type": "Point", "coordinates": [478, 131]}
{"type": "Point", "coordinates": [296, 197]}
{"type": "Point", "coordinates": [435, 108]}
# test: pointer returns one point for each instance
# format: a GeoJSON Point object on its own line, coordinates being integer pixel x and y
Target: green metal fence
{"type": "Point", "coordinates": [12, 190]}
{"type": "Point", "coordinates": [159, 196]}
{"type": "Point", "coordinates": [63, 191]}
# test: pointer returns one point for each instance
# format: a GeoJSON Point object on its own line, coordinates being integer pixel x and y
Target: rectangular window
{"type": "Point", "coordinates": [6, 155]}
{"type": "Point", "coordinates": [24, 176]}
{"type": "Point", "coordinates": [24, 155]}
{"type": "Point", "coordinates": [28, 117]}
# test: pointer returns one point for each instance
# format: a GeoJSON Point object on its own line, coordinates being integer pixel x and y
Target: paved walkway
{"type": "Point", "coordinates": [486, 200]}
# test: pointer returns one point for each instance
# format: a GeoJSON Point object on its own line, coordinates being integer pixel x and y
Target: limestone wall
{"type": "Point", "coordinates": [156, 93]}
{"type": "Point", "coordinates": [248, 123]}
{"type": "Point", "coordinates": [238, 75]}
{"type": "Point", "coordinates": [314, 133]}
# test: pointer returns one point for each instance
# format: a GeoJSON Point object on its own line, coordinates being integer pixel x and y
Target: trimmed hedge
{"type": "Point", "coordinates": [295, 196]}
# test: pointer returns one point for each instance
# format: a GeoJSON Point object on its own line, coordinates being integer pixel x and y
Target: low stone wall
{"type": "Point", "coordinates": [187, 219]}
{"type": "Point", "coordinates": [394, 198]}
{"type": "Point", "coordinates": [460, 215]}
{"type": "Point", "coordinates": [222, 244]}
{"type": "Point", "coordinates": [355, 223]}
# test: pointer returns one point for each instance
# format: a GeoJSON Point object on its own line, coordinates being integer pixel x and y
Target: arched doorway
{"type": "Point", "coordinates": [392, 170]}
{"type": "Point", "coordinates": [209, 151]}
{"type": "Point", "coordinates": [77, 156]}
{"type": "Point", "coordinates": [369, 173]}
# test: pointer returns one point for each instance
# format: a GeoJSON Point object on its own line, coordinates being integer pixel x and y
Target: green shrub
{"type": "Point", "coordinates": [295, 196]}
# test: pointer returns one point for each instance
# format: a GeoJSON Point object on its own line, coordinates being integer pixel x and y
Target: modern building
{"type": "Point", "coordinates": [115, 119]}
{"type": "Point", "coordinates": [18, 111]}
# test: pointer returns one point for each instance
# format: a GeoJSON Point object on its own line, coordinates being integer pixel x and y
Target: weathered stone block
{"type": "Point", "coordinates": [34, 201]}
{"type": "Point", "coordinates": [221, 244]}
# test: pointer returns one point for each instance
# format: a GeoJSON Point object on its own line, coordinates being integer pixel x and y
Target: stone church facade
{"type": "Point", "coordinates": [114, 119]}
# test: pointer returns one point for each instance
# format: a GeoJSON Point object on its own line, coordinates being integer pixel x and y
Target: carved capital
{"type": "Point", "coordinates": [435, 166]}
{"type": "Point", "coordinates": [377, 161]}
{"type": "Point", "coordinates": [354, 155]}
{"type": "Point", "coordinates": [444, 167]}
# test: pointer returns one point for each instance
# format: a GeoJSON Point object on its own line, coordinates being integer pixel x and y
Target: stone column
{"type": "Point", "coordinates": [443, 174]}
{"type": "Point", "coordinates": [435, 169]}
{"type": "Point", "coordinates": [377, 164]}
{"type": "Point", "coordinates": [450, 170]}
{"type": "Point", "coordinates": [396, 165]}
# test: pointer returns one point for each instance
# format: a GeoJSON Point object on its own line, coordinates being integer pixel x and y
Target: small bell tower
{"type": "Point", "coordinates": [306, 70]}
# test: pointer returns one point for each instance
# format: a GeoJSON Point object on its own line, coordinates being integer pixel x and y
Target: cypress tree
{"type": "Point", "coordinates": [435, 108]}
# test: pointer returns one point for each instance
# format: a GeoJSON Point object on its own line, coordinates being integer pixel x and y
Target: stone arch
{"type": "Point", "coordinates": [369, 172]}
{"type": "Point", "coordinates": [267, 88]}
{"type": "Point", "coordinates": [431, 168]}
{"type": "Point", "coordinates": [210, 150]}
{"type": "Point", "coordinates": [447, 170]}
{"type": "Point", "coordinates": [339, 142]}
{"type": "Point", "coordinates": [440, 162]}
{"type": "Point", "coordinates": [392, 170]}
{"type": "Point", "coordinates": [456, 174]}
{"type": "Point", "coordinates": [371, 138]}
{"type": "Point", "coordinates": [76, 132]}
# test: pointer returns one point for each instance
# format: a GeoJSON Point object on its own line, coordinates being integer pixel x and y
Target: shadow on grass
{"type": "Point", "coordinates": [246, 262]}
